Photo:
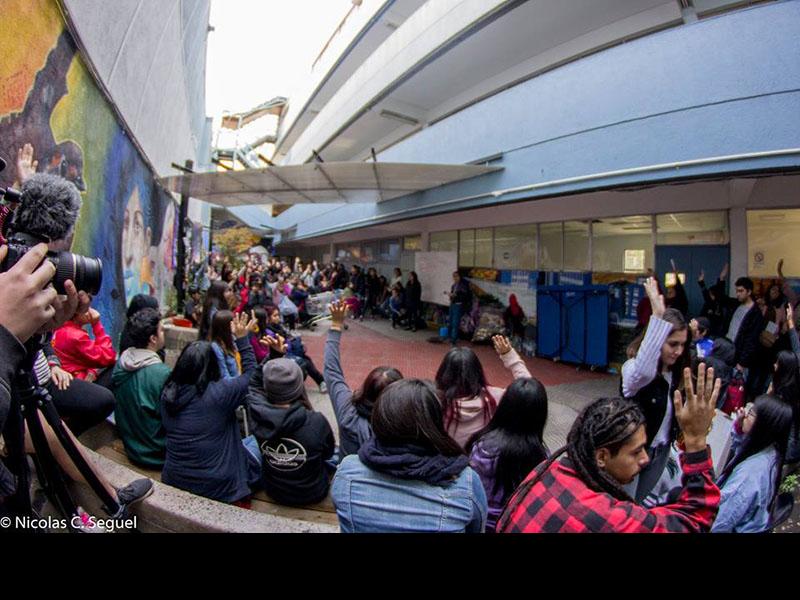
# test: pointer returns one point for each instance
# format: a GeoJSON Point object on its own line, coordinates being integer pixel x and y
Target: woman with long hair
{"type": "Point", "coordinates": [410, 475]}
{"type": "Point", "coordinates": [786, 386]}
{"type": "Point", "coordinates": [353, 410]}
{"type": "Point", "coordinates": [205, 453]}
{"type": "Point", "coordinates": [219, 296]}
{"type": "Point", "coordinates": [295, 349]}
{"type": "Point", "coordinates": [224, 345]}
{"type": "Point", "coordinates": [511, 445]}
{"type": "Point", "coordinates": [468, 401]}
{"type": "Point", "coordinates": [650, 376]}
{"type": "Point", "coordinates": [750, 481]}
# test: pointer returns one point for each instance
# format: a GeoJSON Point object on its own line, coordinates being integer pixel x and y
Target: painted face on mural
{"type": "Point", "coordinates": [135, 247]}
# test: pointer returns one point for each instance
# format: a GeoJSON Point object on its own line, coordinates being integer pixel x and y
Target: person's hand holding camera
{"type": "Point", "coordinates": [27, 302]}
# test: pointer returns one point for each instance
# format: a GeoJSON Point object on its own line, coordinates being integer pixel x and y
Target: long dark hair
{"type": "Point", "coordinates": [263, 319]}
{"type": "Point", "coordinates": [605, 423]}
{"type": "Point", "coordinates": [221, 331]}
{"type": "Point", "coordinates": [198, 366]}
{"type": "Point", "coordinates": [215, 299]}
{"type": "Point", "coordinates": [786, 382]}
{"type": "Point", "coordinates": [374, 383]}
{"type": "Point", "coordinates": [408, 412]}
{"type": "Point", "coordinates": [771, 428]}
{"type": "Point", "coordinates": [515, 433]}
{"type": "Point", "coordinates": [675, 318]}
{"type": "Point", "coordinates": [460, 375]}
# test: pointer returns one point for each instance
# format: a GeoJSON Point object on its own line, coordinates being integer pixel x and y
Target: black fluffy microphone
{"type": "Point", "coordinates": [2, 163]}
{"type": "Point", "coordinates": [48, 209]}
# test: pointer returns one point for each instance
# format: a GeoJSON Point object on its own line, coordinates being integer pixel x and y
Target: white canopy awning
{"type": "Point", "coordinates": [349, 182]}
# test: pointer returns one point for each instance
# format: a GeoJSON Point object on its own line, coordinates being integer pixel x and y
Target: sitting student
{"type": "Point", "coordinates": [295, 349]}
{"type": "Point", "coordinates": [295, 440]}
{"type": "Point", "coordinates": [511, 445]}
{"type": "Point", "coordinates": [750, 481]}
{"type": "Point", "coordinates": [411, 475]}
{"type": "Point", "coordinates": [468, 401]}
{"type": "Point", "coordinates": [205, 453]}
{"type": "Point", "coordinates": [397, 309]}
{"type": "Point", "coordinates": [584, 491]}
{"type": "Point", "coordinates": [786, 386]}
{"type": "Point", "coordinates": [138, 302]}
{"type": "Point", "coordinates": [194, 306]}
{"type": "Point", "coordinates": [223, 343]}
{"type": "Point", "coordinates": [139, 378]}
{"type": "Point", "coordinates": [81, 356]}
{"type": "Point", "coordinates": [722, 359]}
{"type": "Point", "coordinates": [702, 343]}
{"type": "Point", "coordinates": [353, 411]}
{"type": "Point", "coordinates": [261, 350]}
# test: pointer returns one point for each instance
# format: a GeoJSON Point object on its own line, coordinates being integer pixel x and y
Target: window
{"type": "Point", "coordinates": [390, 251]}
{"type": "Point", "coordinates": [483, 247]}
{"type": "Point", "coordinates": [369, 252]}
{"type": "Point", "coordinates": [444, 241]}
{"type": "Point", "coordinates": [551, 236]}
{"type": "Point", "coordinates": [466, 248]}
{"type": "Point", "coordinates": [694, 228]}
{"type": "Point", "coordinates": [576, 246]}
{"type": "Point", "coordinates": [412, 243]}
{"type": "Point", "coordinates": [772, 235]}
{"type": "Point", "coordinates": [515, 247]}
{"type": "Point", "coordinates": [622, 244]}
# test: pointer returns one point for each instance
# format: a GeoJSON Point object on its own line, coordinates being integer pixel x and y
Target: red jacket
{"type": "Point", "coordinates": [80, 354]}
{"type": "Point", "coordinates": [560, 502]}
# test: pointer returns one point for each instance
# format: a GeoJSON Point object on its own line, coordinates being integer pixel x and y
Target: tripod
{"type": "Point", "coordinates": [28, 398]}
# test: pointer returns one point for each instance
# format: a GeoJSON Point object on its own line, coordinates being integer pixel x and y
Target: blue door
{"type": "Point", "coordinates": [690, 260]}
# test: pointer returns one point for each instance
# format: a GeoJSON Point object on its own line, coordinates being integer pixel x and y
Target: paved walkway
{"type": "Point", "coordinates": [368, 344]}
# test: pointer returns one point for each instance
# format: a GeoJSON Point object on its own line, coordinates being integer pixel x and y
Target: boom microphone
{"type": "Point", "coordinates": [49, 207]}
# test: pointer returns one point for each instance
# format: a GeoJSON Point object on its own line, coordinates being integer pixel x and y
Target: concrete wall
{"type": "Point", "coordinates": [724, 86]}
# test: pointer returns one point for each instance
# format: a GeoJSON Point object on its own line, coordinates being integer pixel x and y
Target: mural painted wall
{"type": "Point", "coordinates": [52, 110]}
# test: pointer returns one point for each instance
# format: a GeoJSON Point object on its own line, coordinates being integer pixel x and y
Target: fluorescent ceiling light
{"type": "Point", "coordinates": [388, 114]}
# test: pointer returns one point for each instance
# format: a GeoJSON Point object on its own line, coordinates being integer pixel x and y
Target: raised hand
{"type": "Point", "coordinates": [674, 268]}
{"type": "Point", "coordinates": [277, 343]}
{"type": "Point", "coordinates": [241, 326]}
{"type": "Point", "coordinates": [779, 268]}
{"type": "Point", "coordinates": [26, 166]}
{"type": "Point", "coordinates": [702, 277]}
{"type": "Point", "coordinates": [656, 299]}
{"type": "Point", "coordinates": [693, 325]}
{"type": "Point", "coordinates": [501, 344]}
{"type": "Point", "coordinates": [338, 314]}
{"type": "Point", "coordinates": [724, 273]}
{"type": "Point", "coordinates": [696, 413]}
{"type": "Point", "coordinates": [789, 316]}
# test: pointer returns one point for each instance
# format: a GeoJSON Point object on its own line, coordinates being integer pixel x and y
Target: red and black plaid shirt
{"type": "Point", "coordinates": [562, 503]}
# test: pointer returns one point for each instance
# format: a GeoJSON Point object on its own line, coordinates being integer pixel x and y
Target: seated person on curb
{"type": "Point", "coordinates": [139, 378]}
{"type": "Point", "coordinates": [81, 356]}
{"type": "Point", "coordinates": [205, 452]}
{"type": "Point", "coordinates": [410, 476]}
{"type": "Point", "coordinates": [194, 306]}
{"type": "Point", "coordinates": [353, 410]}
{"type": "Point", "coordinates": [606, 448]}
{"type": "Point", "coordinates": [24, 286]}
{"type": "Point", "coordinates": [295, 440]}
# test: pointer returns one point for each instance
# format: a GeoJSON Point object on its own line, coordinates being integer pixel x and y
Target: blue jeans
{"type": "Point", "coordinates": [455, 319]}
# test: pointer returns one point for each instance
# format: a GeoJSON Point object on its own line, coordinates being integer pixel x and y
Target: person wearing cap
{"type": "Point", "coordinates": [295, 441]}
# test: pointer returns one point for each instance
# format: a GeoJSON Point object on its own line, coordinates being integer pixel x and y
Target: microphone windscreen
{"type": "Point", "coordinates": [2, 163]}
{"type": "Point", "coordinates": [49, 208]}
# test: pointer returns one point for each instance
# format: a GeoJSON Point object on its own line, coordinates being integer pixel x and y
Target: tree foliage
{"type": "Point", "coordinates": [235, 241]}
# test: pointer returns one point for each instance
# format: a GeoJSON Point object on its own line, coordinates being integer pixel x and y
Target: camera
{"type": "Point", "coordinates": [86, 273]}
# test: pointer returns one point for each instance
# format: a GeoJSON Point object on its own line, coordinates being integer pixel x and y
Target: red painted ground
{"type": "Point", "coordinates": [364, 349]}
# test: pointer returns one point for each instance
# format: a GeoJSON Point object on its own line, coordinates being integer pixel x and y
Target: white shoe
{"type": "Point", "coordinates": [323, 389]}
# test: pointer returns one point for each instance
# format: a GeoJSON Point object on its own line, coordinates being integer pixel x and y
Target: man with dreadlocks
{"type": "Point", "coordinates": [606, 448]}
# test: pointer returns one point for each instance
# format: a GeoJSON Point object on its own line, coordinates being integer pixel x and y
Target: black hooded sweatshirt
{"type": "Point", "coordinates": [295, 443]}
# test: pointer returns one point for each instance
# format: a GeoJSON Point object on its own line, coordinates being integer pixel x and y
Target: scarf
{"type": "Point", "coordinates": [514, 306]}
{"type": "Point", "coordinates": [409, 461]}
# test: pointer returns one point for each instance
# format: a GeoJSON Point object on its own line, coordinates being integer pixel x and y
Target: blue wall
{"type": "Point", "coordinates": [723, 86]}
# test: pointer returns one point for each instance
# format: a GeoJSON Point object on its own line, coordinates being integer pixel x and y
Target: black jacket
{"type": "Point", "coordinates": [652, 399]}
{"type": "Point", "coordinates": [12, 352]}
{"type": "Point", "coordinates": [747, 341]}
{"type": "Point", "coordinates": [295, 443]}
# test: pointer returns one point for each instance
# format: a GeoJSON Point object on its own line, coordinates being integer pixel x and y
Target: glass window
{"type": "Point", "coordinates": [551, 236]}
{"type": "Point", "coordinates": [444, 241]}
{"type": "Point", "coordinates": [694, 228]}
{"type": "Point", "coordinates": [515, 247]}
{"type": "Point", "coordinates": [412, 243]}
{"type": "Point", "coordinates": [369, 252]}
{"type": "Point", "coordinates": [466, 248]}
{"type": "Point", "coordinates": [622, 244]}
{"type": "Point", "coordinates": [576, 246]}
{"type": "Point", "coordinates": [483, 247]}
{"type": "Point", "coordinates": [390, 251]}
{"type": "Point", "coordinates": [773, 235]}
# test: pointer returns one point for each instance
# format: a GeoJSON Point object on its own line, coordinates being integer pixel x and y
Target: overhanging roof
{"type": "Point", "coordinates": [348, 182]}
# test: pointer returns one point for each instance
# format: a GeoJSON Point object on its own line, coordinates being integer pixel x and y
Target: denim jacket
{"type": "Point", "coordinates": [367, 501]}
{"type": "Point", "coordinates": [228, 368]}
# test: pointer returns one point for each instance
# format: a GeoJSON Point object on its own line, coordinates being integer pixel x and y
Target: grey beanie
{"type": "Point", "coordinates": [283, 380]}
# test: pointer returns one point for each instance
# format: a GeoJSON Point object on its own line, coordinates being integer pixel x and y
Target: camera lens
{"type": "Point", "coordinates": [86, 273]}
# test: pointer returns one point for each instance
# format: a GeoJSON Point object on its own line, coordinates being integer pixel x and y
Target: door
{"type": "Point", "coordinates": [690, 260]}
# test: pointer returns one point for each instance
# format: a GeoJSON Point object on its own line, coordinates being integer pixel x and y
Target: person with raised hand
{"type": "Point", "coordinates": [650, 376]}
{"type": "Point", "coordinates": [204, 451]}
{"type": "Point", "coordinates": [585, 491]}
{"type": "Point", "coordinates": [353, 410]}
{"type": "Point", "coordinates": [468, 401]}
